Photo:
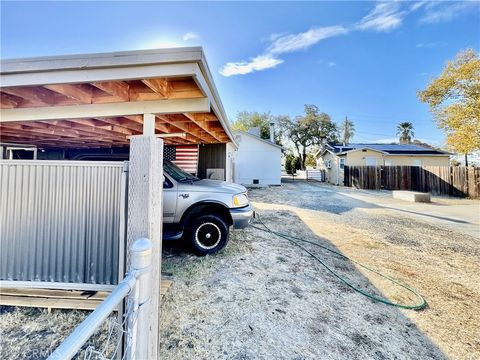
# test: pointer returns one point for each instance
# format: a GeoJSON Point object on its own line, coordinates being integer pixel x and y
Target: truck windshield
{"type": "Point", "coordinates": [175, 172]}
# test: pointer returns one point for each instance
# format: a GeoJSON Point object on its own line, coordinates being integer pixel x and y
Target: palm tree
{"type": "Point", "coordinates": [405, 131]}
{"type": "Point", "coordinates": [348, 130]}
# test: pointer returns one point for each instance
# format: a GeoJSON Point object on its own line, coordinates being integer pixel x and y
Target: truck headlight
{"type": "Point", "coordinates": [240, 200]}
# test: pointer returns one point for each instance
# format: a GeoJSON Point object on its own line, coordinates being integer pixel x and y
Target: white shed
{"type": "Point", "coordinates": [258, 161]}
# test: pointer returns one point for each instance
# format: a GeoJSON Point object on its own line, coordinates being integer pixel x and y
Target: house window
{"type": "Point", "coordinates": [342, 163]}
{"type": "Point", "coordinates": [328, 164]}
{"type": "Point", "coordinates": [388, 163]}
{"type": "Point", "coordinates": [417, 162]}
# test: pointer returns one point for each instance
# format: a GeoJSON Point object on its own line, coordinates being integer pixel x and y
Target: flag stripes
{"type": "Point", "coordinates": [184, 156]}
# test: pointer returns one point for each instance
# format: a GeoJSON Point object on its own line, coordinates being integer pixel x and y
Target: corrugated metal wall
{"type": "Point", "coordinates": [60, 221]}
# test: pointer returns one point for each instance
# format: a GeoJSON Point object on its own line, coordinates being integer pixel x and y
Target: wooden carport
{"type": "Point", "coordinates": [99, 99]}
{"type": "Point", "coordinates": [140, 99]}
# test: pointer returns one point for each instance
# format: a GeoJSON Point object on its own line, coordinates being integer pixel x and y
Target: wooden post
{"type": "Point", "coordinates": [145, 214]}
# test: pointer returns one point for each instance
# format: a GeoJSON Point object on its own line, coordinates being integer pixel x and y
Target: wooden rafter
{"type": "Point", "coordinates": [118, 89]}
{"type": "Point", "coordinates": [83, 114]}
{"type": "Point", "coordinates": [159, 86]}
{"type": "Point", "coordinates": [80, 92]}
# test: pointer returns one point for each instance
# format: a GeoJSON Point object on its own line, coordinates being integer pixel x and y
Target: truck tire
{"type": "Point", "coordinates": [208, 234]}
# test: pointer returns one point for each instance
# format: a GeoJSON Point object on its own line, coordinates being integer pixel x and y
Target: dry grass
{"type": "Point", "coordinates": [30, 333]}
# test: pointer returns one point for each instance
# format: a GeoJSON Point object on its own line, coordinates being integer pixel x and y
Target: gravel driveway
{"type": "Point", "coordinates": [262, 298]}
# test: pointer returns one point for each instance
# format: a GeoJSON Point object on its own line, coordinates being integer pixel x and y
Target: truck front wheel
{"type": "Point", "coordinates": [208, 234]}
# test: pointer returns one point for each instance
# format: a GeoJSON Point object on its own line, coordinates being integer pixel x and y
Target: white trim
{"type": "Point", "coordinates": [239, 132]}
{"type": "Point", "coordinates": [323, 152]}
{"type": "Point", "coordinates": [63, 162]}
{"type": "Point", "coordinates": [55, 285]}
{"type": "Point", "coordinates": [102, 60]}
{"type": "Point", "coordinates": [98, 75]}
{"type": "Point", "coordinates": [106, 110]}
{"type": "Point", "coordinates": [418, 155]}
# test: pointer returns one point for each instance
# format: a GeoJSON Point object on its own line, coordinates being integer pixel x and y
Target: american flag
{"type": "Point", "coordinates": [184, 156]}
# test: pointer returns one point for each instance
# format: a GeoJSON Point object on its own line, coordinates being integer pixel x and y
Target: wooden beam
{"type": "Point", "coordinates": [160, 86]}
{"type": "Point", "coordinates": [79, 92]}
{"type": "Point", "coordinates": [185, 127]}
{"type": "Point", "coordinates": [115, 88]}
{"type": "Point", "coordinates": [9, 101]}
{"type": "Point", "coordinates": [105, 110]}
{"type": "Point", "coordinates": [199, 119]}
{"type": "Point", "coordinates": [35, 95]}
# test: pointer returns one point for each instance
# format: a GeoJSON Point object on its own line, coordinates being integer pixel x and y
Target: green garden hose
{"type": "Point", "coordinates": [293, 240]}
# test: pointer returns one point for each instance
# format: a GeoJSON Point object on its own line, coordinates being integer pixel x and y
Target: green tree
{"type": "Point", "coordinates": [347, 130]}
{"type": "Point", "coordinates": [292, 163]}
{"type": "Point", "coordinates": [405, 132]}
{"type": "Point", "coordinates": [313, 128]}
{"type": "Point", "coordinates": [454, 100]}
{"type": "Point", "coordinates": [311, 160]}
{"type": "Point", "coordinates": [247, 120]}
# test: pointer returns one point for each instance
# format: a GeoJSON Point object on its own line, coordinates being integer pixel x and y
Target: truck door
{"type": "Point", "coordinates": [169, 199]}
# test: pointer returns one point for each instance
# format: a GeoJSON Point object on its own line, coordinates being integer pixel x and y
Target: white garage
{"type": "Point", "coordinates": [258, 161]}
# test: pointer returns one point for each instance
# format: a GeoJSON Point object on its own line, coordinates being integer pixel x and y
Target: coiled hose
{"type": "Point", "coordinates": [293, 240]}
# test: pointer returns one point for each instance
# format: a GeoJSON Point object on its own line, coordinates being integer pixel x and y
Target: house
{"type": "Point", "coordinates": [257, 161]}
{"type": "Point", "coordinates": [334, 158]}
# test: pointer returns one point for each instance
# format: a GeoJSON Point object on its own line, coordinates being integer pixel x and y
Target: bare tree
{"type": "Point", "coordinates": [347, 129]}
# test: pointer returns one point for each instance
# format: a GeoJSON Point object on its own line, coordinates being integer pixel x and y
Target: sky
{"type": "Point", "coordinates": [365, 60]}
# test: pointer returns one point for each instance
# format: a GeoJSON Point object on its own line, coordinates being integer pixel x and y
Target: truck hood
{"type": "Point", "coordinates": [212, 186]}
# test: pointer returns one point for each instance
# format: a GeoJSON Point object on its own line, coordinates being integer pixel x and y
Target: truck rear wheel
{"type": "Point", "coordinates": [208, 234]}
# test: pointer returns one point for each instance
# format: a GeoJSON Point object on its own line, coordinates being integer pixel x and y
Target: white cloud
{"type": "Point", "coordinates": [190, 36]}
{"type": "Point", "coordinates": [294, 42]}
{"type": "Point", "coordinates": [281, 44]}
{"type": "Point", "coordinates": [446, 11]}
{"type": "Point", "coordinates": [431, 45]}
{"type": "Point", "coordinates": [385, 16]}
{"type": "Point", "coordinates": [418, 4]}
{"type": "Point", "coordinates": [258, 63]}
{"type": "Point", "coordinates": [332, 63]}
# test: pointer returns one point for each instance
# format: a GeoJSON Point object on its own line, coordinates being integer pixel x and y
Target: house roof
{"type": "Point", "coordinates": [390, 149]}
{"type": "Point", "coordinates": [239, 132]}
{"type": "Point", "coordinates": [98, 100]}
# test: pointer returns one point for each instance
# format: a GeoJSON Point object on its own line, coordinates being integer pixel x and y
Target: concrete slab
{"type": "Point", "coordinates": [411, 196]}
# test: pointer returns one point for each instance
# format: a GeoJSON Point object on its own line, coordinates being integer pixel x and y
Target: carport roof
{"type": "Point", "coordinates": [98, 100]}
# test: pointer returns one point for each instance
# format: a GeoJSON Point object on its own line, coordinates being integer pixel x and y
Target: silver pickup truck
{"type": "Point", "coordinates": [202, 211]}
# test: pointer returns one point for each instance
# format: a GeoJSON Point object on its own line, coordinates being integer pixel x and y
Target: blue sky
{"type": "Point", "coordinates": [365, 60]}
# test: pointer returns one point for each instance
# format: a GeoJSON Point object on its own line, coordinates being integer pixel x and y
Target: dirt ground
{"type": "Point", "coordinates": [262, 298]}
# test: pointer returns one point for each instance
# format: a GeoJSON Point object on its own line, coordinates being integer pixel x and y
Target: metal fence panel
{"type": "Point", "coordinates": [60, 221]}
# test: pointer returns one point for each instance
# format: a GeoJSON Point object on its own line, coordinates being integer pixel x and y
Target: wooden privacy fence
{"type": "Point", "coordinates": [440, 180]}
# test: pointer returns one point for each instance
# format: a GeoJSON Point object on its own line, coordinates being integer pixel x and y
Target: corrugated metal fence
{"type": "Point", "coordinates": [60, 221]}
